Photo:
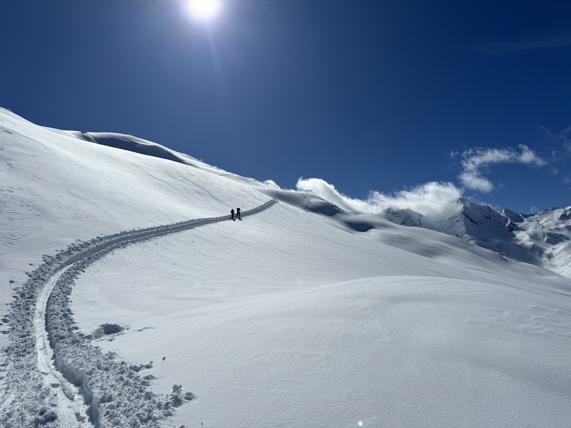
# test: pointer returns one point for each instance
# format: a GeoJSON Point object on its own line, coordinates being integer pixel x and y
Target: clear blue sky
{"type": "Point", "coordinates": [367, 94]}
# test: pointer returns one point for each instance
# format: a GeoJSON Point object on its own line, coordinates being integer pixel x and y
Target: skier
{"type": "Point", "coordinates": [238, 213]}
{"type": "Point", "coordinates": [232, 214]}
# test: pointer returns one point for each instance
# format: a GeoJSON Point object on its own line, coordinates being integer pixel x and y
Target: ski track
{"type": "Point", "coordinates": [53, 368]}
{"type": "Point", "coordinates": [71, 410]}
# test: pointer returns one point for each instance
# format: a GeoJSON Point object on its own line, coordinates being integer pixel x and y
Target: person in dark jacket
{"type": "Point", "coordinates": [232, 214]}
{"type": "Point", "coordinates": [238, 213]}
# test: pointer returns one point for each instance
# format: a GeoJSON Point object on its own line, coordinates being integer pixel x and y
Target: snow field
{"type": "Point", "coordinates": [304, 315]}
{"type": "Point", "coordinates": [289, 319]}
{"type": "Point", "coordinates": [113, 391]}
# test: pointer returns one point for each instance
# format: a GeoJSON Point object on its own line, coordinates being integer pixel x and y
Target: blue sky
{"type": "Point", "coordinates": [368, 95]}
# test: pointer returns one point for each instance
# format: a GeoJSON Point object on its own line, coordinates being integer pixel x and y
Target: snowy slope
{"type": "Point", "coordinates": [486, 227]}
{"type": "Point", "coordinates": [548, 233]}
{"type": "Point", "coordinates": [543, 239]}
{"type": "Point", "coordinates": [56, 189]}
{"type": "Point", "coordinates": [302, 315]}
{"type": "Point", "coordinates": [308, 324]}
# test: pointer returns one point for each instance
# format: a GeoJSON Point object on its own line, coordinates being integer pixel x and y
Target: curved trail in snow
{"type": "Point", "coordinates": [71, 374]}
{"type": "Point", "coordinates": [71, 410]}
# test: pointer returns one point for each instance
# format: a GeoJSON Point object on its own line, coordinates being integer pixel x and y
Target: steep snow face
{"type": "Point", "coordinates": [549, 233]}
{"type": "Point", "coordinates": [487, 228]}
{"type": "Point", "coordinates": [543, 239]}
{"type": "Point", "coordinates": [479, 222]}
{"type": "Point", "coordinates": [513, 216]}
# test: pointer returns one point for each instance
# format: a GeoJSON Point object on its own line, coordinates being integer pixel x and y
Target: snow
{"type": "Point", "coordinates": [542, 239]}
{"type": "Point", "coordinates": [549, 234]}
{"type": "Point", "coordinates": [57, 189]}
{"type": "Point", "coordinates": [340, 329]}
{"type": "Point", "coordinates": [304, 314]}
{"type": "Point", "coordinates": [68, 402]}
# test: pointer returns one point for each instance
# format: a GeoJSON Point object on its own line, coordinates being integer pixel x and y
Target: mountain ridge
{"type": "Point", "coordinates": [542, 238]}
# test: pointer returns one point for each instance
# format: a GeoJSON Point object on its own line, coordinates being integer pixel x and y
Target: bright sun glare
{"type": "Point", "coordinates": [205, 10]}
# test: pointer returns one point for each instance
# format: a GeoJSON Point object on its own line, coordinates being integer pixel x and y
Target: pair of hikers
{"type": "Point", "coordinates": [236, 214]}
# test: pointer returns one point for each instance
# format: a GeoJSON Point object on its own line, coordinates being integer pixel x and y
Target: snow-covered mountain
{"type": "Point", "coordinates": [119, 310]}
{"type": "Point", "coordinates": [543, 239]}
{"type": "Point", "coordinates": [548, 234]}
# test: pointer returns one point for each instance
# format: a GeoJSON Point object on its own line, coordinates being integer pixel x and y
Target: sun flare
{"type": "Point", "coordinates": [204, 10]}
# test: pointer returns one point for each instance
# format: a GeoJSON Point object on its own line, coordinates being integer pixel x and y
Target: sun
{"type": "Point", "coordinates": [204, 10]}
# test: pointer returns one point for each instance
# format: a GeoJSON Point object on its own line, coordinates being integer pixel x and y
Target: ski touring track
{"type": "Point", "coordinates": [56, 377]}
{"type": "Point", "coordinates": [71, 410]}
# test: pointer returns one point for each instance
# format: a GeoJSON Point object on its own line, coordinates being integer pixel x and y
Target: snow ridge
{"type": "Point", "coordinates": [114, 391]}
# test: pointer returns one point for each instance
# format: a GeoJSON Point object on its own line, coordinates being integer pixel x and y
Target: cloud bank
{"type": "Point", "coordinates": [434, 200]}
{"type": "Point", "coordinates": [477, 161]}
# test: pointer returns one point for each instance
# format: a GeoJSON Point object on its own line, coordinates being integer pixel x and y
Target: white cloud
{"type": "Point", "coordinates": [476, 161]}
{"type": "Point", "coordinates": [328, 192]}
{"type": "Point", "coordinates": [433, 200]}
{"type": "Point", "coordinates": [529, 157]}
{"type": "Point", "coordinates": [436, 201]}
{"type": "Point", "coordinates": [476, 182]}
{"type": "Point", "coordinates": [272, 184]}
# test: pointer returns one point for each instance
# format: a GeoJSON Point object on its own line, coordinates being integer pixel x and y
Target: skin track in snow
{"type": "Point", "coordinates": [66, 364]}
{"type": "Point", "coordinates": [71, 411]}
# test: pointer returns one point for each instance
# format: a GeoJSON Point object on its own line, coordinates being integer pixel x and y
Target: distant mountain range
{"type": "Point", "coordinates": [543, 239]}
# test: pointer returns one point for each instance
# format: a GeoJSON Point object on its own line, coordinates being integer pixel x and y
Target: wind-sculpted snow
{"type": "Point", "coordinates": [130, 143]}
{"type": "Point", "coordinates": [114, 391]}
